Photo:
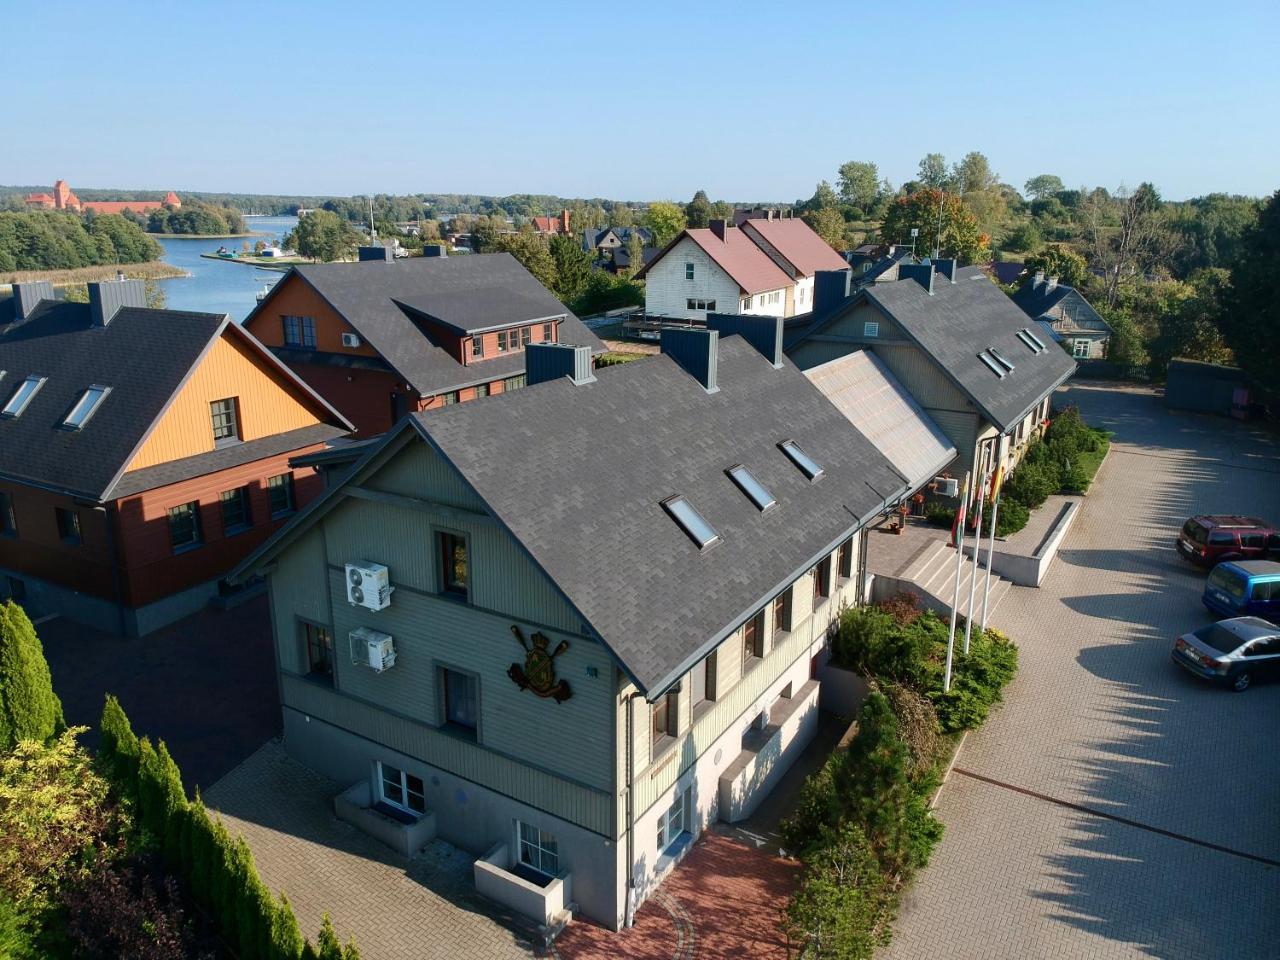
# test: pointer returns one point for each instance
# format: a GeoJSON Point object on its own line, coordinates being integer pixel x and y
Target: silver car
{"type": "Point", "coordinates": [1234, 652]}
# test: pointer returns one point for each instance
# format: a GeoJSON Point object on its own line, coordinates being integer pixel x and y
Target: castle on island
{"type": "Point", "coordinates": [63, 198]}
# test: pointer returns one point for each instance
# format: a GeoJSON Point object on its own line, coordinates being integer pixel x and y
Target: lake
{"type": "Point", "coordinates": [214, 286]}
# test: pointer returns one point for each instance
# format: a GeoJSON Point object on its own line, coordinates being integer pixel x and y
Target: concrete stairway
{"type": "Point", "coordinates": [933, 573]}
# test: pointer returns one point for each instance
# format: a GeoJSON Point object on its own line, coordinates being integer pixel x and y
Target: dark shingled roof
{"type": "Point", "coordinates": [142, 355]}
{"type": "Point", "coordinates": [586, 499]}
{"type": "Point", "coordinates": [1036, 299]}
{"type": "Point", "coordinates": [963, 318]}
{"type": "Point", "coordinates": [389, 303]}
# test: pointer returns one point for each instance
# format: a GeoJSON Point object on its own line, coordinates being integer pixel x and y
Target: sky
{"type": "Point", "coordinates": [749, 101]}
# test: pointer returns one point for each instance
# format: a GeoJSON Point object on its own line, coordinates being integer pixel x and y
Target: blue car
{"type": "Point", "coordinates": [1242, 588]}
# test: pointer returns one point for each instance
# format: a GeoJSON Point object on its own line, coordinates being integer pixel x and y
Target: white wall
{"type": "Point", "coordinates": [667, 291]}
{"type": "Point", "coordinates": [760, 304]}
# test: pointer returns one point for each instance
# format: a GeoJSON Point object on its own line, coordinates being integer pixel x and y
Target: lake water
{"type": "Point", "coordinates": [215, 286]}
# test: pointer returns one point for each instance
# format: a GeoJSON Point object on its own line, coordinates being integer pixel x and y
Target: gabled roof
{"type": "Point", "coordinates": [737, 255]}
{"type": "Point", "coordinates": [143, 355]}
{"type": "Point", "coordinates": [393, 304]}
{"type": "Point", "coordinates": [586, 502]}
{"type": "Point", "coordinates": [1007, 272]}
{"type": "Point", "coordinates": [798, 244]}
{"type": "Point", "coordinates": [1036, 300]}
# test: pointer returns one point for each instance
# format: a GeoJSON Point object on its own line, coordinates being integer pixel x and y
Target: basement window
{"type": "Point", "coordinates": [27, 389]}
{"type": "Point", "coordinates": [991, 365]}
{"type": "Point", "coordinates": [691, 522]}
{"type": "Point", "coordinates": [752, 487]}
{"type": "Point", "coordinates": [808, 466]}
{"type": "Point", "coordinates": [85, 407]}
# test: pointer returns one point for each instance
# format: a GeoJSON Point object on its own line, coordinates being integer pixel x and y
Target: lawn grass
{"type": "Point", "coordinates": [1091, 460]}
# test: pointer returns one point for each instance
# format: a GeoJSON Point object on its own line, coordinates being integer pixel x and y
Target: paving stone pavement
{"type": "Point", "coordinates": [1098, 717]}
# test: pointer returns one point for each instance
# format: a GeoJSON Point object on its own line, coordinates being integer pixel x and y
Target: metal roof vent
{"type": "Point", "coordinates": [551, 361]}
{"type": "Point", "coordinates": [697, 352]}
{"type": "Point", "coordinates": [108, 297]}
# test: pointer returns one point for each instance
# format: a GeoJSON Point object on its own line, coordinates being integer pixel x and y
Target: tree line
{"type": "Point", "coordinates": [53, 240]}
{"type": "Point", "coordinates": [191, 217]}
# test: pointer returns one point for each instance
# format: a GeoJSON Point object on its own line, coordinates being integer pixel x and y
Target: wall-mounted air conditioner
{"type": "Point", "coordinates": [946, 486]}
{"type": "Point", "coordinates": [373, 649]}
{"type": "Point", "coordinates": [368, 585]}
{"type": "Point", "coordinates": [351, 339]}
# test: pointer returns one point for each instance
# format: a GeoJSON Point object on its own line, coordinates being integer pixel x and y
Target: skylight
{"type": "Point", "coordinates": [752, 487]}
{"type": "Point", "coordinates": [691, 522]}
{"type": "Point", "coordinates": [22, 396]}
{"type": "Point", "coordinates": [85, 407]}
{"type": "Point", "coordinates": [1034, 339]}
{"type": "Point", "coordinates": [808, 466]}
{"type": "Point", "coordinates": [1030, 342]}
{"type": "Point", "coordinates": [998, 358]}
{"type": "Point", "coordinates": [991, 365]}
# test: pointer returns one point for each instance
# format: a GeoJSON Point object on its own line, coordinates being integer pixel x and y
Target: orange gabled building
{"type": "Point", "coordinates": [382, 338]}
{"type": "Point", "coordinates": [143, 454]}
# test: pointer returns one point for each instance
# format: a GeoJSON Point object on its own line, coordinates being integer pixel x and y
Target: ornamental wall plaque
{"type": "Point", "coordinates": [539, 671]}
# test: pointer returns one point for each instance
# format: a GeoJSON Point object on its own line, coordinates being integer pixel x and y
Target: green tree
{"type": "Point", "coordinates": [960, 236]}
{"type": "Point", "coordinates": [572, 266]}
{"type": "Point", "coordinates": [118, 750]}
{"type": "Point", "coordinates": [859, 183]}
{"type": "Point", "coordinates": [635, 253]}
{"type": "Point", "coordinates": [665, 221]}
{"type": "Point", "coordinates": [328, 946]}
{"type": "Point", "coordinates": [29, 709]}
{"type": "Point", "coordinates": [933, 171]}
{"type": "Point", "coordinates": [1023, 238]}
{"type": "Point", "coordinates": [1250, 314]}
{"type": "Point", "coordinates": [1211, 231]}
{"type": "Point", "coordinates": [533, 253]}
{"type": "Point", "coordinates": [697, 212]}
{"type": "Point", "coordinates": [824, 196]}
{"type": "Point", "coordinates": [828, 223]}
{"type": "Point", "coordinates": [1187, 322]}
{"type": "Point", "coordinates": [1059, 261]}
{"type": "Point", "coordinates": [323, 235]}
{"type": "Point", "coordinates": [973, 173]}
{"type": "Point", "coordinates": [1043, 186]}
{"type": "Point", "coordinates": [842, 908]}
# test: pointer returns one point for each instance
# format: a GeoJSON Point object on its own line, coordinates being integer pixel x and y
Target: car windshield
{"type": "Point", "coordinates": [1195, 533]}
{"type": "Point", "coordinates": [1218, 637]}
{"type": "Point", "coordinates": [1228, 581]}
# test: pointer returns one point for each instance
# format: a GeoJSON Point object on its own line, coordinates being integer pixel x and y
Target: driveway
{"type": "Point", "coordinates": [1114, 806]}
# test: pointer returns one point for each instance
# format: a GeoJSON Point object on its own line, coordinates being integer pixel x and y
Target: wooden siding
{"type": "Point", "coordinates": [490, 342]}
{"type": "Point", "coordinates": [365, 397]}
{"type": "Point", "coordinates": [37, 550]}
{"type": "Point", "coordinates": [267, 405]}
{"type": "Point", "coordinates": [667, 291]}
{"type": "Point", "coordinates": [294, 297]}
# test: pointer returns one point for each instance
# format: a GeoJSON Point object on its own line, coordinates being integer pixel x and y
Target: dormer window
{"type": "Point", "coordinates": [22, 396]}
{"type": "Point", "coordinates": [477, 347]}
{"type": "Point", "coordinates": [808, 466]}
{"type": "Point", "coordinates": [502, 341]}
{"type": "Point", "coordinates": [691, 522]}
{"type": "Point", "coordinates": [85, 407]}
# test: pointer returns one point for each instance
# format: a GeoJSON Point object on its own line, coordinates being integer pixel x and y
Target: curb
{"type": "Point", "coordinates": [933, 801]}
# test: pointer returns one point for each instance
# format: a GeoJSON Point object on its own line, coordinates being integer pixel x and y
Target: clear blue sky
{"type": "Point", "coordinates": [633, 100]}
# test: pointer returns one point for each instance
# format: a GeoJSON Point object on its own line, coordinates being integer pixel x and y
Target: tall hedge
{"type": "Point", "coordinates": [29, 709]}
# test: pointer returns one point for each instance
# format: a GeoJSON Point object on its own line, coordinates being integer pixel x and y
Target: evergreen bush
{"type": "Point", "coordinates": [118, 750]}
{"type": "Point", "coordinates": [29, 709]}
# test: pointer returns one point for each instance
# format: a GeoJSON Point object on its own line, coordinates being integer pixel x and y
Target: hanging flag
{"type": "Point", "coordinates": [958, 524]}
{"type": "Point", "coordinates": [997, 481]}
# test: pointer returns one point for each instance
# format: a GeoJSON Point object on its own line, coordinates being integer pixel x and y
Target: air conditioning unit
{"type": "Point", "coordinates": [368, 585]}
{"type": "Point", "coordinates": [371, 647]}
{"type": "Point", "coordinates": [946, 486]}
{"type": "Point", "coordinates": [351, 339]}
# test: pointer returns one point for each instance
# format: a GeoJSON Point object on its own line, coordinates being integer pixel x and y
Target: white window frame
{"type": "Point", "coordinates": [405, 792]}
{"type": "Point", "coordinates": [675, 816]}
{"type": "Point", "coordinates": [542, 846]}
{"type": "Point", "coordinates": [688, 270]}
{"type": "Point", "coordinates": [1080, 348]}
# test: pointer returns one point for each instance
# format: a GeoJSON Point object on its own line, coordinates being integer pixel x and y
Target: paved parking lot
{"type": "Point", "coordinates": [1114, 806]}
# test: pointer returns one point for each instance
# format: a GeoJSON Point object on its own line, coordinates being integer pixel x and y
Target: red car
{"type": "Point", "coordinates": [1211, 540]}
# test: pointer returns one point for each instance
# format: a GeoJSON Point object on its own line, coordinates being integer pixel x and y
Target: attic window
{"type": "Point", "coordinates": [22, 396]}
{"type": "Point", "coordinates": [1031, 341]}
{"type": "Point", "coordinates": [991, 365]}
{"type": "Point", "coordinates": [752, 487]}
{"type": "Point", "coordinates": [691, 522]}
{"type": "Point", "coordinates": [999, 358]}
{"type": "Point", "coordinates": [808, 466]}
{"type": "Point", "coordinates": [85, 407]}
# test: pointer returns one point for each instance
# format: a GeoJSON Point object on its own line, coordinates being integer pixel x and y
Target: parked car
{"type": "Point", "coordinates": [1234, 652]}
{"type": "Point", "coordinates": [1244, 588]}
{"type": "Point", "coordinates": [1212, 539]}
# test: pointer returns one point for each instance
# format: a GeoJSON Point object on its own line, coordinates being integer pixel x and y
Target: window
{"type": "Point", "coordinates": [280, 494]}
{"type": "Point", "coordinates": [453, 564]}
{"type": "Point", "coordinates": [299, 332]}
{"type": "Point", "coordinates": [663, 717]}
{"type": "Point", "coordinates": [235, 510]}
{"type": "Point", "coordinates": [871, 328]}
{"type": "Point", "coordinates": [844, 559]}
{"type": "Point", "coordinates": [547, 334]}
{"type": "Point", "coordinates": [449, 398]}
{"type": "Point", "coordinates": [775, 297]}
{"type": "Point", "coordinates": [68, 526]}
{"type": "Point", "coordinates": [482, 390]}
{"type": "Point", "coordinates": [1253, 540]}
{"type": "Point", "coordinates": [782, 611]}
{"type": "Point", "coordinates": [402, 790]}
{"type": "Point", "coordinates": [477, 347]}
{"type": "Point", "coordinates": [225, 416]}
{"type": "Point", "coordinates": [538, 849]}
{"type": "Point", "coordinates": [822, 580]}
{"type": "Point", "coordinates": [702, 681]}
{"type": "Point", "coordinates": [85, 407]}
{"type": "Point", "coordinates": [8, 518]}
{"type": "Point", "coordinates": [184, 525]}
{"type": "Point", "coordinates": [691, 522]}
{"type": "Point", "coordinates": [526, 336]}
{"type": "Point", "coordinates": [699, 304]}
{"type": "Point", "coordinates": [808, 466]}
{"type": "Point", "coordinates": [746, 304]}
{"type": "Point", "coordinates": [673, 823]}
{"type": "Point", "coordinates": [688, 271]}
{"type": "Point", "coordinates": [1080, 349]}
{"type": "Point", "coordinates": [514, 383]}
{"type": "Point", "coordinates": [752, 487]}
{"type": "Point", "coordinates": [461, 699]}
{"type": "Point", "coordinates": [22, 396]}
{"type": "Point", "coordinates": [319, 642]}
{"type": "Point", "coordinates": [502, 342]}
{"type": "Point", "coordinates": [752, 640]}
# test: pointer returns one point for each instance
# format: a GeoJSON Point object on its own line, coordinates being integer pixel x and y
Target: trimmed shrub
{"type": "Point", "coordinates": [843, 907]}
{"type": "Point", "coordinates": [286, 937]}
{"type": "Point", "coordinates": [1013, 517]}
{"type": "Point", "coordinates": [118, 749]}
{"type": "Point", "coordinates": [939, 515]}
{"type": "Point", "coordinates": [173, 801]}
{"type": "Point", "coordinates": [1033, 481]}
{"type": "Point", "coordinates": [151, 793]}
{"type": "Point", "coordinates": [29, 709]}
{"type": "Point", "coordinates": [328, 946]}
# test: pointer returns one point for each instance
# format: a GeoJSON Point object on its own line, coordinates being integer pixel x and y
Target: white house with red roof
{"type": "Point", "coordinates": [764, 265]}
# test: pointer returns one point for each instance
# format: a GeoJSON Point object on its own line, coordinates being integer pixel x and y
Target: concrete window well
{"type": "Point", "coordinates": [391, 807]}
{"type": "Point", "coordinates": [524, 874]}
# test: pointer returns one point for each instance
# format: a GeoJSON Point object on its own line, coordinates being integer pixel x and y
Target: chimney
{"type": "Point", "coordinates": [718, 227]}
{"type": "Point", "coordinates": [922, 273]}
{"type": "Point", "coordinates": [564, 221]}
{"type": "Point", "coordinates": [696, 351]}
{"type": "Point", "coordinates": [375, 253]}
{"type": "Point", "coordinates": [1037, 279]}
{"type": "Point", "coordinates": [1053, 285]}
{"type": "Point", "coordinates": [763, 333]}
{"type": "Point", "coordinates": [551, 361]}
{"type": "Point", "coordinates": [830, 289]}
{"type": "Point", "coordinates": [27, 296]}
{"type": "Point", "coordinates": [107, 297]}
{"type": "Point", "coordinates": [434, 250]}
{"type": "Point", "coordinates": [945, 267]}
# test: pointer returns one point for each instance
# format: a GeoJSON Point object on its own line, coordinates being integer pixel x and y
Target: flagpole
{"type": "Point", "coordinates": [991, 550]}
{"type": "Point", "coordinates": [977, 548]}
{"type": "Point", "coordinates": [955, 594]}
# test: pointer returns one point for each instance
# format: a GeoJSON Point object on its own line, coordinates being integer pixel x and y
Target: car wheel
{"type": "Point", "coordinates": [1241, 682]}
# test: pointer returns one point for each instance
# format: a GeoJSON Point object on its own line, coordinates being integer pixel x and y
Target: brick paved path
{"type": "Point", "coordinates": [1099, 718]}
